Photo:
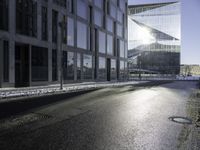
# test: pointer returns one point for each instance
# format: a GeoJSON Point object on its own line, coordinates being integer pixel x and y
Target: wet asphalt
{"type": "Point", "coordinates": [125, 118]}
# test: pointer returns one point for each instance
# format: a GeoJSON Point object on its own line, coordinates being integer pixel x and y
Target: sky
{"type": "Point", "coordinates": [190, 28]}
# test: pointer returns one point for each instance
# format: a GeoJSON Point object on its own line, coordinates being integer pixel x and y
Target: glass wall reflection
{"type": "Point", "coordinates": [154, 38]}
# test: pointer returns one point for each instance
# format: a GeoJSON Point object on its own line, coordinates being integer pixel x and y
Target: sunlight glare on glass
{"type": "Point", "coordinates": [146, 36]}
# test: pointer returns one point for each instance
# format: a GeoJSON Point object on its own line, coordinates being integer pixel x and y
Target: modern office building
{"type": "Point", "coordinates": [154, 38]}
{"type": "Point", "coordinates": [92, 42]}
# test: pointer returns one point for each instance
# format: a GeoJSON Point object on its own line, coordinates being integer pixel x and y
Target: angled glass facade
{"type": "Point", "coordinates": [154, 38]}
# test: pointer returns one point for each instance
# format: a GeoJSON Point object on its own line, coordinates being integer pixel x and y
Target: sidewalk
{"type": "Point", "coordinates": [36, 91]}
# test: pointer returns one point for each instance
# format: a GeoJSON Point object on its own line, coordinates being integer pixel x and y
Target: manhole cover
{"type": "Point", "coordinates": [182, 120]}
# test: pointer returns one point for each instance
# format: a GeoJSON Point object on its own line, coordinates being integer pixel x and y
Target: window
{"type": "Point", "coordinates": [120, 16]}
{"type": "Point", "coordinates": [102, 42]}
{"type": "Point", "coordinates": [81, 35]}
{"type": "Point", "coordinates": [39, 64]}
{"type": "Point", "coordinates": [122, 5]}
{"type": "Point", "coordinates": [109, 25]}
{"type": "Point", "coordinates": [121, 48]}
{"type": "Point", "coordinates": [70, 30]}
{"type": "Point", "coordinates": [119, 30]}
{"type": "Point", "coordinates": [4, 14]}
{"type": "Point", "coordinates": [102, 68]}
{"type": "Point", "coordinates": [54, 25]}
{"type": "Point", "coordinates": [98, 18]}
{"type": "Point", "coordinates": [44, 24]}
{"type": "Point", "coordinates": [54, 65]}
{"type": "Point", "coordinates": [113, 69]}
{"type": "Point", "coordinates": [5, 61]}
{"type": "Point", "coordinates": [82, 9]}
{"type": "Point", "coordinates": [68, 65]}
{"type": "Point", "coordinates": [87, 66]}
{"type": "Point", "coordinates": [70, 4]}
{"type": "Point", "coordinates": [115, 1]}
{"type": "Point", "coordinates": [26, 17]}
{"type": "Point", "coordinates": [121, 73]}
{"type": "Point", "coordinates": [99, 3]}
{"type": "Point", "coordinates": [60, 2]}
{"type": "Point", "coordinates": [78, 66]}
{"type": "Point", "coordinates": [113, 11]}
{"type": "Point", "coordinates": [110, 44]}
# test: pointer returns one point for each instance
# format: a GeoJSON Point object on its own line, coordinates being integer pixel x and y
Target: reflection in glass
{"type": "Point", "coordinates": [68, 65]}
{"type": "Point", "coordinates": [87, 66]}
{"type": "Point", "coordinates": [109, 44]}
{"type": "Point", "coordinates": [113, 11]}
{"type": "Point", "coordinates": [120, 16]}
{"type": "Point", "coordinates": [102, 68]}
{"type": "Point", "coordinates": [110, 24]}
{"type": "Point", "coordinates": [98, 3]}
{"type": "Point", "coordinates": [154, 38]}
{"type": "Point", "coordinates": [70, 31]}
{"type": "Point", "coordinates": [98, 18]}
{"type": "Point", "coordinates": [121, 48]}
{"type": "Point", "coordinates": [81, 35]}
{"type": "Point", "coordinates": [78, 66]}
{"type": "Point", "coordinates": [119, 30]}
{"type": "Point", "coordinates": [102, 42]}
{"type": "Point", "coordinates": [121, 71]}
{"type": "Point", "coordinates": [82, 9]}
{"type": "Point", "coordinates": [113, 69]}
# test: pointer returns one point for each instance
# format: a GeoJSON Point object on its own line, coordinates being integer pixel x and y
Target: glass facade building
{"type": "Point", "coordinates": [94, 47]}
{"type": "Point", "coordinates": [154, 38]}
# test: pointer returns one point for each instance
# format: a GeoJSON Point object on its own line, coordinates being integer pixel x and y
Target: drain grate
{"type": "Point", "coordinates": [181, 120]}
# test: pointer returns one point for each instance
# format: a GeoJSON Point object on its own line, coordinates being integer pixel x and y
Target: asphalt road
{"type": "Point", "coordinates": [107, 119]}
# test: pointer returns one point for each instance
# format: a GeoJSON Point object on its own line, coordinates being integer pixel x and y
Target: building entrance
{"type": "Point", "coordinates": [21, 65]}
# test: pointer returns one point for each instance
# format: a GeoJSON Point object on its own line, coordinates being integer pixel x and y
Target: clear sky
{"type": "Point", "coordinates": [190, 28]}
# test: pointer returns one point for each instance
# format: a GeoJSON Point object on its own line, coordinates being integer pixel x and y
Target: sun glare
{"type": "Point", "coordinates": [146, 36]}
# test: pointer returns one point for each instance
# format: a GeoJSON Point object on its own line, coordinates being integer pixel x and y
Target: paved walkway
{"type": "Point", "coordinates": [7, 93]}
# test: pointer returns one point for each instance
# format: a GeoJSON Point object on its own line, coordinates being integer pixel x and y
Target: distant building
{"type": "Point", "coordinates": [190, 70]}
{"type": "Point", "coordinates": [94, 44]}
{"type": "Point", "coordinates": [154, 38]}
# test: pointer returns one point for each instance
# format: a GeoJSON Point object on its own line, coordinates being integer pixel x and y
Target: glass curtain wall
{"type": "Point", "coordinates": [154, 38]}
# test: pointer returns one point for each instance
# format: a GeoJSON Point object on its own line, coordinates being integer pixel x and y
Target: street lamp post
{"type": "Point", "coordinates": [62, 25]}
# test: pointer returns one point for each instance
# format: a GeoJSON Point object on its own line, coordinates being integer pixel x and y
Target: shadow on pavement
{"type": "Point", "coordinates": [18, 106]}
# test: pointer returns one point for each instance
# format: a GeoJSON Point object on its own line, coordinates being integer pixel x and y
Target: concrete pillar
{"type": "Point", "coordinates": [1, 63]}
{"type": "Point", "coordinates": [39, 20]}
{"type": "Point", "coordinates": [49, 26]}
{"type": "Point", "coordinates": [12, 62]}
{"type": "Point", "coordinates": [12, 32]}
{"type": "Point", "coordinates": [30, 64]}
{"type": "Point", "coordinates": [50, 65]}
{"type": "Point", "coordinates": [59, 50]}
{"type": "Point", "coordinates": [75, 66]}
